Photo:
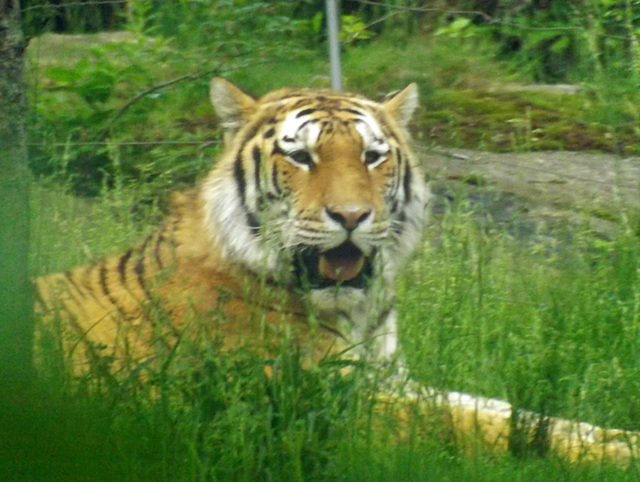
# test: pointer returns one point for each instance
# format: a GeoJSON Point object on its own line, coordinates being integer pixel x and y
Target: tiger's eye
{"type": "Point", "coordinates": [301, 157]}
{"type": "Point", "coordinates": [371, 157]}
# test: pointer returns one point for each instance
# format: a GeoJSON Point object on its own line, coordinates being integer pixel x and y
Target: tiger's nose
{"type": "Point", "coordinates": [349, 217]}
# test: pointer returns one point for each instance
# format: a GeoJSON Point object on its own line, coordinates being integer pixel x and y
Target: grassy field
{"type": "Point", "coordinates": [549, 326]}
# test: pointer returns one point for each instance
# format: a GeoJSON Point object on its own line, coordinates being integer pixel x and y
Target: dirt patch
{"type": "Point", "coordinates": [543, 191]}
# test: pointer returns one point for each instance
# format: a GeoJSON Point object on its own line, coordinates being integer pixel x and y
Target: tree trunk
{"type": "Point", "coordinates": [16, 325]}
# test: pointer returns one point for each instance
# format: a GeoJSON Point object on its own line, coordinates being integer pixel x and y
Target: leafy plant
{"type": "Point", "coordinates": [458, 27]}
{"type": "Point", "coordinates": [352, 30]}
{"type": "Point", "coordinates": [94, 81]}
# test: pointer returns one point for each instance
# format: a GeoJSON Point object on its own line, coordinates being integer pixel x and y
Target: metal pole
{"type": "Point", "coordinates": [333, 29]}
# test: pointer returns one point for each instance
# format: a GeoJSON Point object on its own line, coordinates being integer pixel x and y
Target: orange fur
{"type": "Point", "coordinates": [191, 282]}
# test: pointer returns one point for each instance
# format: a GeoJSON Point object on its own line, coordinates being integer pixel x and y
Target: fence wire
{"type": "Point", "coordinates": [423, 150]}
{"type": "Point", "coordinates": [88, 3]}
{"type": "Point", "coordinates": [393, 9]}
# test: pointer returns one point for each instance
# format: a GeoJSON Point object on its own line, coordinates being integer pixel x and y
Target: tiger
{"type": "Point", "coordinates": [302, 224]}
{"type": "Point", "coordinates": [299, 229]}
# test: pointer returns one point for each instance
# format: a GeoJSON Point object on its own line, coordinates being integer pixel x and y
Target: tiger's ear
{"type": "Point", "coordinates": [233, 106]}
{"type": "Point", "coordinates": [401, 104]}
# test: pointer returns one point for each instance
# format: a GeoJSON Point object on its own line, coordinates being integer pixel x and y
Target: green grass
{"type": "Point", "coordinates": [67, 230]}
{"type": "Point", "coordinates": [552, 328]}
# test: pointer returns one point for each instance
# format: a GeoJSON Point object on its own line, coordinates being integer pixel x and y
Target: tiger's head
{"type": "Point", "coordinates": [316, 188]}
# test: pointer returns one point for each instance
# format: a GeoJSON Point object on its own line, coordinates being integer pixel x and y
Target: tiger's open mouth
{"type": "Point", "coordinates": [344, 265]}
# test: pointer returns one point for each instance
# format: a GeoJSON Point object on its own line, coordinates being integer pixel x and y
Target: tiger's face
{"type": "Point", "coordinates": [316, 188]}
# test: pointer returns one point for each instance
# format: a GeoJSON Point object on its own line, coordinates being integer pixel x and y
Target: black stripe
{"type": "Point", "coordinates": [253, 222]}
{"type": "Point", "coordinates": [156, 250]}
{"type": "Point", "coordinates": [331, 329]}
{"type": "Point", "coordinates": [277, 150]}
{"type": "Point", "coordinates": [301, 102]}
{"type": "Point", "coordinates": [105, 287]}
{"type": "Point", "coordinates": [251, 133]}
{"type": "Point", "coordinates": [407, 183]}
{"type": "Point", "coordinates": [89, 286]}
{"type": "Point", "coordinates": [304, 124]}
{"type": "Point", "coordinates": [238, 174]}
{"type": "Point", "coordinates": [353, 111]}
{"type": "Point", "coordinates": [398, 173]}
{"type": "Point", "coordinates": [274, 178]}
{"type": "Point", "coordinates": [398, 226]}
{"type": "Point", "coordinates": [160, 239]}
{"type": "Point", "coordinates": [103, 279]}
{"type": "Point", "coordinates": [139, 267]}
{"type": "Point", "coordinates": [395, 182]}
{"type": "Point", "coordinates": [269, 134]}
{"type": "Point", "coordinates": [326, 127]}
{"type": "Point", "coordinates": [174, 227]}
{"type": "Point", "coordinates": [86, 281]}
{"type": "Point", "coordinates": [305, 112]}
{"type": "Point", "coordinates": [257, 159]}
{"type": "Point", "coordinates": [382, 318]}
{"type": "Point", "coordinates": [122, 266]}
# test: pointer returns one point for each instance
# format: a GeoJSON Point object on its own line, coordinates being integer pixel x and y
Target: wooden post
{"type": "Point", "coordinates": [16, 325]}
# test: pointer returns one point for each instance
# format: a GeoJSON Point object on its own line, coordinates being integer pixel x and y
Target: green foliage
{"type": "Point", "coordinates": [559, 41]}
{"type": "Point", "coordinates": [353, 29]}
{"type": "Point", "coordinates": [458, 27]}
{"type": "Point", "coordinates": [546, 44]}
{"type": "Point", "coordinates": [94, 83]}
{"type": "Point", "coordinates": [149, 87]}
{"type": "Point", "coordinates": [72, 16]}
